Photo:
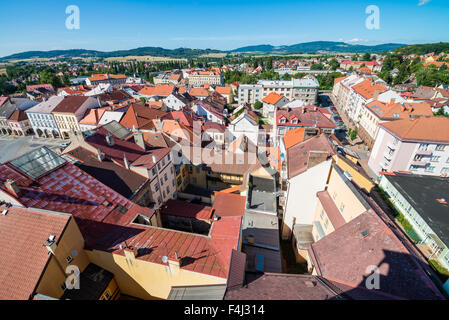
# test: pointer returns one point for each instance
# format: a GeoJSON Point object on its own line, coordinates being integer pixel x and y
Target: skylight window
{"type": "Point", "coordinates": [38, 162]}
{"type": "Point", "coordinates": [121, 209]}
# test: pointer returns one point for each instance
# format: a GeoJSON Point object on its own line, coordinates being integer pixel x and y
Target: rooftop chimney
{"type": "Point", "coordinates": [12, 187]}
{"type": "Point", "coordinates": [130, 253]}
{"type": "Point", "coordinates": [100, 155]}
{"type": "Point", "coordinates": [154, 158]}
{"type": "Point", "coordinates": [109, 139]}
{"type": "Point", "coordinates": [174, 263]}
{"type": "Point", "coordinates": [125, 161]}
{"type": "Point", "coordinates": [51, 244]}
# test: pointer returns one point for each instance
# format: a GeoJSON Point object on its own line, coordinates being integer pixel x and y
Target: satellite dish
{"type": "Point", "coordinates": [164, 259]}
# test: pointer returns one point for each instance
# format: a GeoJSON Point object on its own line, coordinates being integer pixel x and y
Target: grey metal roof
{"type": "Point", "coordinates": [207, 292]}
{"type": "Point", "coordinates": [13, 104]}
{"type": "Point", "coordinates": [422, 192]}
{"type": "Point", "coordinates": [117, 130]}
{"type": "Point", "coordinates": [264, 228]}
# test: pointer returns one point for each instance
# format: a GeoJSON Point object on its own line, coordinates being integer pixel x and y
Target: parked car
{"type": "Point", "coordinates": [64, 145]}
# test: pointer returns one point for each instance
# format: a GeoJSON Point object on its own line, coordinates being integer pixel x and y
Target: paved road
{"type": "Point", "coordinates": [12, 147]}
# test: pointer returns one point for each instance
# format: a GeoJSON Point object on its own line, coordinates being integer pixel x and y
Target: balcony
{"type": "Point", "coordinates": [419, 163]}
{"type": "Point", "coordinates": [424, 152]}
{"type": "Point", "coordinates": [392, 146]}
{"type": "Point", "coordinates": [388, 155]}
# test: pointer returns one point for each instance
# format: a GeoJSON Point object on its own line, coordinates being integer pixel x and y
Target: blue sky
{"type": "Point", "coordinates": [226, 24]}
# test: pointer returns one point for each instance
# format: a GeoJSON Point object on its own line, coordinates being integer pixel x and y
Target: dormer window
{"type": "Point", "coordinates": [282, 120]}
{"type": "Point", "coordinates": [295, 121]}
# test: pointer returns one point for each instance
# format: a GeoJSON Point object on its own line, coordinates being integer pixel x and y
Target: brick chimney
{"type": "Point", "coordinates": [12, 187]}
{"type": "Point", "coordinates": [109, 139]}
{"type": "Point", "coordinates": [174, 263]}
{"type": "Point", "coordinates": [130, 253]}
{"type": "Point", "coordinates": [376, 94]}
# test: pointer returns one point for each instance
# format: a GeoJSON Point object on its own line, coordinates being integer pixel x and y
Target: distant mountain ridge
{"type": "Point", "coordinates": [321, 46]}
{"type": "Point", "coordinates": [144, 51]}
{"type": "Point", "coordinates": [307, 47]}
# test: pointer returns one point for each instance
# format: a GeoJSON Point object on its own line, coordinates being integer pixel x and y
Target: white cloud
{"type": "Point", "coordinates": [357, 40]}
{"type": "Point", "coordinates": [423, 2]}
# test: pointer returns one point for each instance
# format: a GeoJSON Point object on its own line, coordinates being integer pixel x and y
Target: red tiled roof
{"type": "Point", "coordinates": [185, 209]}
{"type": "Point", "coordinates": [331, 209]}
{"type": "Point", "coordinates": [272, 98]}
{"type": "Point", "coordinates": [298, 155]}
{"type": "Point", "coordinates": [367, 63]}
{"type": "Point", "coordinates": [94, 115]}
{"type": "Point", "coordinates": [38, 86]}
{"type": "Point", "coordinates": [367, 89]}
{"type": "Point", "coordinates": [311, 117]}
{"type": "Point", "coordinates": [229, 204]}
{"type": "Point", "coordinates": [133, 152]}
{"type": "Point", "coordinates": [69, 189]}
{"type": "Point", "coordinates": [70, 104]}
{"type": "Point", "coordinates": [223, 90]}
{"type": "Point", "coordinates": [402, 110]}
{"type": "Point", "coordinates": [293, 137]}
{"type": "Point", "coordinates": [138, 116]}
{"type": "Point", "coordinates": [23, 257]}
{"type": "Point", "coordinates": [3, 100]}
{"type": "Point", "coordinates": [158, 90]}
{"type": "Point", "coordinates": [203, 254]}
{"type": "Point", "coordinates": [18, 116]}
{"type": "Point", "coordinates": [104, 76]}
{"type": "Point", "coordinates": [214, 126]}
{"type": "Point", "coordinates": [345, 254]}
{"type": "Point", "coordinates": [183, 117]}
{"type": "Point", "coordinates": [199, 92]}
{"type": "Point", "coordinates": [420, 129]}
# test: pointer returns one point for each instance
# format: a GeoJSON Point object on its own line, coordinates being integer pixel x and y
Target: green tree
{"type": "Point", "coordinates": [366, 57]}
{"type": "Point", "coordinates": [353, 134]}
{"type": "Point", "coordinates": [333, 64]}
{"type": "Point", "coordinates": [317, 66]}
{"type": "Point", "coordinates": [258, 105]}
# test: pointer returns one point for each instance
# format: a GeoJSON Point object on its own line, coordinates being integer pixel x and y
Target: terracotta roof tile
{"type": "Point", "coordinates": [420, 129]}
{"type": "Point", "coordinates": [23, 257]}
{"type": "Point", "coordinates": [298, 155]}
{"type": "Point", "coordinates": [345, 254]}
{"type": "Point", "coordinates": [293, 137]}
{"type": "Point", "coordinates": [272, 98]}
{"type": "Point", "coordinates": [229, 204]}
{"type": "Point", "coordinates": [367, 89]}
